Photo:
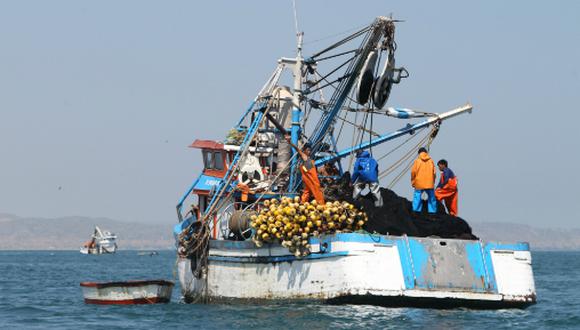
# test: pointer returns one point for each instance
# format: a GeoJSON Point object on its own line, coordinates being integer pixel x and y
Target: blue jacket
{"type": "Point", "coordinates": [365, 169]}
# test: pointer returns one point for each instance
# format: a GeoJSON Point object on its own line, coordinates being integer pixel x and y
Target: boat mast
{"type": "Point", "coordinates": [296, 109]}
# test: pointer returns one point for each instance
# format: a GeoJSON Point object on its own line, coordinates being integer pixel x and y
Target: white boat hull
{"type": "Point", "coordinates": [127, 293]}
{"type": "Point", "coordinates": [99, 250]}
{"type": "Point", "coordinates": [369, 269]}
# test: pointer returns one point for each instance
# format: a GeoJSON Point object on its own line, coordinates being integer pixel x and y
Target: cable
{"type": "Point", "coordinates": [351, 159]}
{"type": "Point", "coordinates": [400, 145]}
{"type": "Point", "coordinates": [405, 157]}
{"type": "Point", "coordinates": [329, 74]}
{"type": "Point", "coordinates": [336, 34]}
{"type": "Point", "coordinates": [336, 55]}
{"type": "Point", "coordinates": [431, 138]}
{"type": "Point", "coordinates": [371, 136]}
{"type": "Point", "coordinates": [343, 41]}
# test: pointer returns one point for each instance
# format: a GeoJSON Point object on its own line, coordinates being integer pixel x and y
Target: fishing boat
{"type": "Point", "coordinates": [101, 242]}
{"type": "Point", "coordinates": [219, 259]}
{"type": "Point", "coordinates": [127, 292]}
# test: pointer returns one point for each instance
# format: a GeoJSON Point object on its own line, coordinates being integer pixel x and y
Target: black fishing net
{"type": "Point", "coordinates": [396, 216]}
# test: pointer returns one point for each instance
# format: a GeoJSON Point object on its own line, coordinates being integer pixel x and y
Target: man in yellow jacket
{"type": "Point", "coordinates": [423, 180]}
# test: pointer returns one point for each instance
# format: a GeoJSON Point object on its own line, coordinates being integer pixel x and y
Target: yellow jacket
{"type": "Point", "coordinates": [423, 172]}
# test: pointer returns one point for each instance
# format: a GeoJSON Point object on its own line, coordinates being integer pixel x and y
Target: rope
{"type": "Point", "coordinates": [406, 156]}
{"type": "Point", "coordinates": [399, 176]}
{"type": "Point", "coordinates": [411, 161]}
{"type": "Point", "coordinates": [309, 107]}
{"type": "Point", "coordinates": [370, 135]}
{"type": "Point", "coordinates": [350, 161]}
{"type": "Point", "coordinates": [337, 138]}
{"type": "Point", "coordinates": [400, 145]}
{"type": "Point", "coordinates": [341, 127]}
{"type": "Point", "coordinates": [371, 132]}
{"type": "Point", "coordinates": [361, 133]}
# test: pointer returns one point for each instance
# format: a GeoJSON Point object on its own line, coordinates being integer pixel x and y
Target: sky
{"type": "Point", "coordinates": [100, 99]}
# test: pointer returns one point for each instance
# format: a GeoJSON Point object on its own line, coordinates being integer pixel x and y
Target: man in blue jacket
{"type": "Point", "coordinates": [366, 175]}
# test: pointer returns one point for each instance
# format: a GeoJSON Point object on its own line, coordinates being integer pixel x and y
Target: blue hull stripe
{"type": "Point", "coordinates": [475, 258]}
{"type": "Point", "coordinates": [359, 238]}
{"type": "Point", "coordinates": [276, 259]}
{"type": "Point", "coordinates": [407, 267]}
{"type": "Point", "coordinates": [420, 259]}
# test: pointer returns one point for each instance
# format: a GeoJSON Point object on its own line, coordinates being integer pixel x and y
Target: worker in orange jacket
{"type": "Point", "coordinates": [309, 175]}
{"type": "Point", "coordinates": [447, 188]}
{"type": "Point", "coordinates": [423, 180]}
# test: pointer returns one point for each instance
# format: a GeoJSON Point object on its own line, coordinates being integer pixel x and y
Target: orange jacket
{"type": "Point", "coordinates": [311, 184]}
{"type": "Point", "coordinates": [423, 172]}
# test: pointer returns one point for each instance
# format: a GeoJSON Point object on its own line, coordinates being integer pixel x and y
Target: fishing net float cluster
{"type": "Point", "coordinates": [290, 222]}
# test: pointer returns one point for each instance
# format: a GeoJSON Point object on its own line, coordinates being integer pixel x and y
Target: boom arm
{"type": "Point", "coordinates": [405, 130]}
{"type": "Point", "coordinates": [337, 100]}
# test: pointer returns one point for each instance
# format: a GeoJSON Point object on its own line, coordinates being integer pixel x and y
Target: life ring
{"type": "Point", "coordinates": [250, 171]}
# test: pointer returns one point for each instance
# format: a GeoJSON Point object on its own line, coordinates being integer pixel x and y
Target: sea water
{"type": "Point", "coordinates": [40, 290]}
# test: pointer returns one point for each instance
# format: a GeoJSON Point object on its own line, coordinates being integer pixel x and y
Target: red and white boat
{"type": "Point", "coordinates": [101, 242]}
{"type": "Point", "coordinates": [127, 293]}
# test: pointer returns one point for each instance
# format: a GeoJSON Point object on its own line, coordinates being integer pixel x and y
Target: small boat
{"type": "Point", "coordinates": [101, 242]}
{"type": "Point", "coordinates": [148, 253]}
{"type": "Point", "coordinates": [128, 292]}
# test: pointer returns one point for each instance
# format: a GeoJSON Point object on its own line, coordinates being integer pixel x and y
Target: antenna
{"type": "Point", "coordinates": [295, 17]}
{"type": "Point", "coordinates": [299, 35]}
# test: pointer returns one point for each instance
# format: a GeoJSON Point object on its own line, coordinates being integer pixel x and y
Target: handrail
{"type": "Point", "coordinates": [180, 204]}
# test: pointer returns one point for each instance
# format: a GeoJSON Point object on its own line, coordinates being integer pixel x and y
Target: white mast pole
{"type": "Point", "coordinates": [296, 96]}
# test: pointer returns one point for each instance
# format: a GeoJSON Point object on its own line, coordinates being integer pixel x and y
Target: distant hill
{"type": "Point", "coordinates": [69, 233]}
{"type": "Point", "coordinates": [539, 238]}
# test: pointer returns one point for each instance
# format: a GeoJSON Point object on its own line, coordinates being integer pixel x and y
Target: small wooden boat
{"type": "Point", "coordinates": [127, 293]}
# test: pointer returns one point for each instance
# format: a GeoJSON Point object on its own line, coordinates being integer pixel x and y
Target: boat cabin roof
{"type": "Point", "coordinates": [207, 144]}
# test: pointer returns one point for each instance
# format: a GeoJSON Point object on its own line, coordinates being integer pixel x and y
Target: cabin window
{"type": "Point", "coordinates": [207, 160]}
{"type": "Point", "coordinates": [213, 160]}
{"type": "Point", "coordinates": [218, 161]}
{"type": "Point", "coordinates": [202, 203]}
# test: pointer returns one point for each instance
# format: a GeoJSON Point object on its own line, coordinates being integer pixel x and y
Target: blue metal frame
{"type": "Point", "coordinates": [295, 135]}
{"type": "Point", "coordinates": [247, 139]}
{"type": "Point", "coordinates": [180, 204]}
{"type": "Point", "coordinates": [245, 114]}
{"type": "Point", "coordinates": [370, 42]}
{"type": "Point", "coordinates": [188, 192]}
